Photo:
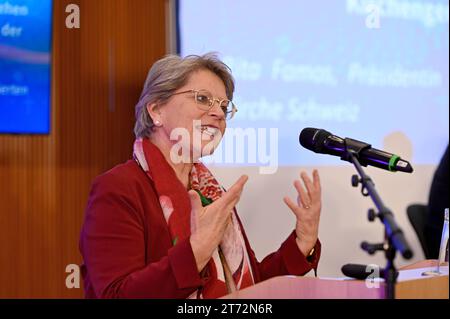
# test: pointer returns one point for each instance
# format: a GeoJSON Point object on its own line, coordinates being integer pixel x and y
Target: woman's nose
{"type": "Point", "coordinates": [216, 110]}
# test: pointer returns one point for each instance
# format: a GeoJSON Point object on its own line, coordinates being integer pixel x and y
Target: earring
{"type": "Point", "coordinates": [157, 123]}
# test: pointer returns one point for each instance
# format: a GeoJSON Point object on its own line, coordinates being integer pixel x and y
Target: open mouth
{"type": "Point", "coordinates": [208, 131]}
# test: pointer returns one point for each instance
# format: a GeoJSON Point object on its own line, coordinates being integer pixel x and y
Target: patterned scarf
{"type": "Point", "coordinates": [229, 266]}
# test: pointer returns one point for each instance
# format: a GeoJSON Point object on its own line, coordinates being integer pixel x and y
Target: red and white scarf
{"type": "Point", "coordinates": [175, 204]}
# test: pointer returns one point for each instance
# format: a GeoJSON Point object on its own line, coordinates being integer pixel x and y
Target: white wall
{"type": "Point", "coordinates": [344, 225]}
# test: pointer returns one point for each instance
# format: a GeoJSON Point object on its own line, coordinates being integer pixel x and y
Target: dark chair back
{"type": "Point", "coordinates": [417, 215]}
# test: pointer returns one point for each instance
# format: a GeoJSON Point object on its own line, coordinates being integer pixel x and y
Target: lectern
{"type": "Point", "coordinates": [411, 284]}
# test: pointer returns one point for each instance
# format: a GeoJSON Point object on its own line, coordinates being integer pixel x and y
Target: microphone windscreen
{"type": "Point", "coordinates": [359, 271]}
{"type": "Point", "coordinates": [313, 138]}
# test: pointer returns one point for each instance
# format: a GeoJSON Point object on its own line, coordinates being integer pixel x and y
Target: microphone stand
{"type": "Point", "coordinates": [394, 239]}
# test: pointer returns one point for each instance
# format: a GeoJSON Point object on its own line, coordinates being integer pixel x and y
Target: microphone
{"type": "Point", "coordinates": [361, 272]}
{"type": "Point", "coordinates": [321, 141]}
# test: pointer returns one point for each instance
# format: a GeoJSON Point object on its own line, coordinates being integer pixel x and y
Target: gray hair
{"type": "Point", "coordinates": [169, 74]}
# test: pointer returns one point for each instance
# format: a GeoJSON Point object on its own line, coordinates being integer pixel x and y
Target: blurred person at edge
{"type": "Point", "coordinates": [438, 201]}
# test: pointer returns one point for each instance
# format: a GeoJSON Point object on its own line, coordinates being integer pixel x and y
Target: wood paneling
{"type": "Point", "coordinates": [97, 75]}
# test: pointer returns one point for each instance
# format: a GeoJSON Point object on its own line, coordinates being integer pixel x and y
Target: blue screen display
{"type": "Point", "coordinates": [25, 46]}
{"type": "Point", "coordinates": [368, 70]}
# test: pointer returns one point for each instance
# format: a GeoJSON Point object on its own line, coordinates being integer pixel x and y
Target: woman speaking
{"type": "Point", "coordinates": [160, 225]}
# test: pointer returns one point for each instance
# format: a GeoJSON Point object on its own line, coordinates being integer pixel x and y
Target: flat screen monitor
{"type": "Point", "coordinates": [25, 66]}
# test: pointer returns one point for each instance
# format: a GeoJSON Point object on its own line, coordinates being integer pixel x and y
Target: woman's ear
{"type": "Point", "coordinates": [154, 113]}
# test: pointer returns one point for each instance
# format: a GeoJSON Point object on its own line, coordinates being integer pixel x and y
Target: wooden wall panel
{"type": "Point", "coordinates": [98, 73]}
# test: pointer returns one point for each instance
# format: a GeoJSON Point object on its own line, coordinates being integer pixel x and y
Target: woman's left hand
{"type": "Point", "coordinates": [307, 211]}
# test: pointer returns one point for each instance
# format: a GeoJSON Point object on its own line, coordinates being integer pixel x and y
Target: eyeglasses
{"type": "Point", "coordinates": [205, 101]}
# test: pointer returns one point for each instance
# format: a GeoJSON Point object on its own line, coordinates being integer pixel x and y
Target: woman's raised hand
{"type": "Point", "coordinates": [208, 224]}
{"type": "Point", "coordinates": [307, 210]}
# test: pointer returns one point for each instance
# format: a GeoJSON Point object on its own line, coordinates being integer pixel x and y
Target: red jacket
{"type": "Point", "coordinates": [128, 252]}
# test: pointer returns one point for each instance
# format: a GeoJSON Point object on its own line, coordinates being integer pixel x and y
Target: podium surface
{"type": "Point", "coordinates": [411, 284]}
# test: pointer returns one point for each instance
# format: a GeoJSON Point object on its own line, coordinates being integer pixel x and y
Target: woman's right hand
{"type": "Point", "coordinates": [208, 224]}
